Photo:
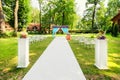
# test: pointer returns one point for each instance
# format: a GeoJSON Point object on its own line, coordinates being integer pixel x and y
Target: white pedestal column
{"type": "Point", "coordinates": [23, 52]}
{"type": "Point", "coordinates": [101, 54]}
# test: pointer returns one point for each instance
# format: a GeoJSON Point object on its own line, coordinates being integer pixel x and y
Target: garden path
{"type": "Point", "coordinates": [56, 63]}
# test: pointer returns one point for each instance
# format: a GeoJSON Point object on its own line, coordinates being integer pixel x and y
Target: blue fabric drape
{"type": "Point", "coordinates": [65, 30]}
{"type": "Point", "coordinates": [54, 31]}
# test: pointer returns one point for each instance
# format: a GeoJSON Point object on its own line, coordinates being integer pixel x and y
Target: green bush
{"type": "Point", "coordinates": [7, 34]}
{"type": "Point", "coordinates": [115, 30]}
{"type": "Point", "coordinates": [83, 31]}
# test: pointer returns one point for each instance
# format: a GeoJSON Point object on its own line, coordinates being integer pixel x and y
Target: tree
{"type": "Point", "coordinates": [24, 11]}
{"type": "Point", "coordinates": [64, 12]}
{"type": "Point", "coordinates": [101, 17]}
{"type": "Point", "coordinates": [87, 18]}
{"type": "Point", "coordinates": [35, 15]}
{"type": "Point", "coordinates": [16, 17]}
{"type": "Point", "coordinates": [59, 12]}
{"type": "Point", "coordinates": [95, 3]}
{"type": "Point", "coordinates": [2, 21]}
{"type": "Point", "coordinates": [113, 7]}
{"type": "Point", "coordinates": [8, 10]}
{"type": "Point", "coordinates": [23, 14]}
{"type": "Point", "coordinates": [40, 7]}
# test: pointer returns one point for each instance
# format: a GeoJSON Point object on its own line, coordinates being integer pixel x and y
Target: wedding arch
{"type": "Point", "coordinates": [56, 29]}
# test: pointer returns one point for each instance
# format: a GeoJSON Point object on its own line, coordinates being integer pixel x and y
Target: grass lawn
{"type": "Point", "coordinates": [86, 60]}
{"type": "Point", "coordinates": [85, 57]}
{"type": "Point", "coordinates": [8, 57]}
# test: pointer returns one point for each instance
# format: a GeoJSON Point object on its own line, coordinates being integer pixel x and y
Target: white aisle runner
{"type": "Point", "coordinates": [56, 63]}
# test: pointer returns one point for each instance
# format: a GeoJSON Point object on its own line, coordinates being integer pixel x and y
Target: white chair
{"type": "Point", "coordinates": [81, 40]}
{"type": "Point", "coordinates": [89, 42]}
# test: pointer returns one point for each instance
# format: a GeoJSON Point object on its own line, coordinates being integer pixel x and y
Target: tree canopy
{"type": "Point", "coordinates": [62, 12]}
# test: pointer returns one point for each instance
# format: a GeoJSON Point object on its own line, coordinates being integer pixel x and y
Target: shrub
{"type": "Point", "coordinates": [7, 34]}
{"type": "Point", "coordinates": [83, 31]}
{"type": "Point", "coordinates": [115, 30]}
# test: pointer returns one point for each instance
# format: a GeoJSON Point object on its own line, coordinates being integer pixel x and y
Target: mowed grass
{"type": "Point", "coordinates": [9, 58]}
{"type": "Point", "coordinates": [86, 59]}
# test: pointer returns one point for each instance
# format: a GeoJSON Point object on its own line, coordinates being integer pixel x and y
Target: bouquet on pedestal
{"type": "Point", "coordinates": [101, 35]}
{"type": "Point", "coordinates": [23, 34]}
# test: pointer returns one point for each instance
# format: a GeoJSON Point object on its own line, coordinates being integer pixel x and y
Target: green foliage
{"type": "Point", "coordinates": [24, 16]}
{"type": "Point", "coordinates": [100, 16]}
{"type": "Point", "coordinates": [59, 12]}
{"type": "Point", "coordinates": [95, 3]}
{"type": "Point", "coordinates": [35, 15]}
{"type": "Point", "coordinates": [113, 6]}
{"type": "Point", "coordinates": [66, 12]}
{"type": "Point", "coordinates": [103, 15]}
{"type": "Point", "coordinates": [87, 18]}
{"type": "Point", "coordinates": [8, 9]}
{"type": "Point", "coordinates": [115, 30]}
{"type": "Point", "coordinates": [7, 34]}
{"type": "Point", "coordinates": [112, 10]}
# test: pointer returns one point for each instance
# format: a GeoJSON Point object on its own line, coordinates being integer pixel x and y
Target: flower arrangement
{"type": "Point", "coordinates": [101, 35]}
{"type": "Point", "coordinates": [68, 37]}
{"type": "Point", "coordinates": [23, 34]}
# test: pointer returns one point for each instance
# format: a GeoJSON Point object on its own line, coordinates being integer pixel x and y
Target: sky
{"type": "Point", "coordinates": [80, 5]}
{"type": "Point", "coordinates": [35, 3]}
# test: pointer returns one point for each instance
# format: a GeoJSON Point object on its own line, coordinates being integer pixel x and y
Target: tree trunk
{"type": "Point", "coordinates": [63, 18]}
{"type": "Point", "coordinates": [50, 20]}
{"type": "Point", "coordinates": [16, 17]}
{"type": "Point", "coordinates": [40, 16]}
{"type": "Point", "coordinates": [2, 21]}
{"type": "Point", "coordinates": [93, 16]}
